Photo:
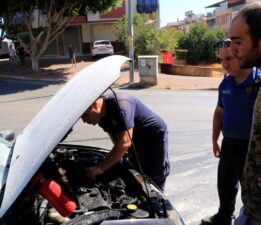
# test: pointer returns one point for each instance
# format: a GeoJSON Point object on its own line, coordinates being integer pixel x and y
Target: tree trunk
{"type": "Point", "coordinates": [35, 65]}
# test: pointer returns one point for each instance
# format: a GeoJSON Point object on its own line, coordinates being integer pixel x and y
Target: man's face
{"type": "Point", "coordinates": [92, 115]}
{"type": "Point", "coordinates": [228, 61]}
{"type": "Point", "coordinates": [242, 46]}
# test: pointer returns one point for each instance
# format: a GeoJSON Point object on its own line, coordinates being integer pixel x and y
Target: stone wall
{"type": "Point", "coordinates": [188, 70]}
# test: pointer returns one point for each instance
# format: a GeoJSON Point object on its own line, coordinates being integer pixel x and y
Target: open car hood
{"type": "Point", "coordinates": [50, 125]}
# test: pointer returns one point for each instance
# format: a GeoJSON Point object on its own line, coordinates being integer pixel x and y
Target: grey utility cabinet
{"type": "Point", "coordinates": [148, 69]}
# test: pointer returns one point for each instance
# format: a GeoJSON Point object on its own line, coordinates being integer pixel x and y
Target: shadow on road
{"type": "Point", "coordinates": [15, 86]}
{"type": "Point", "coordinates": [18, 78]}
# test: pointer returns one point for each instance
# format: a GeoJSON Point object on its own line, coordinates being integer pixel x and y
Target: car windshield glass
{"type": "Point", "coordinates": [102, 43]}
{"type": "Point", "coordinates": [5, 150]}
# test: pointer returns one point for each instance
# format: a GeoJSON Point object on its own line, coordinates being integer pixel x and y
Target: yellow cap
{"type": "Point", "coordinates": [132, 207]}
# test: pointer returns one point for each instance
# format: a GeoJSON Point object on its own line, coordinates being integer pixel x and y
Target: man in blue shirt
{"type": "Point", "coordinates": [124, 117]}
{"type": "Point", "coordinates": [232, 116]}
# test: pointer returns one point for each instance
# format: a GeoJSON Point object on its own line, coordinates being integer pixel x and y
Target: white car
{"type": "Point", "coordinates": [43, 181]}
{"type": "Point", "coordinates": [102, 47]}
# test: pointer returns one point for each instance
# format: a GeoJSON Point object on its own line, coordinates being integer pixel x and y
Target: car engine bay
{"type": "Point", "coordinates": [121, 193]}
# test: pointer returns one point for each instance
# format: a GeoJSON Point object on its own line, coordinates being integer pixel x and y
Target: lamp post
{"type": "Point", "coordinates": [130, 41]}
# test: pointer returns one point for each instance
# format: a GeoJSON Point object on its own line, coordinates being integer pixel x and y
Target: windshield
{"type": "Point", "coordinates": [102, 43]}
{"type": "Point", "coordinates": [5, 148]}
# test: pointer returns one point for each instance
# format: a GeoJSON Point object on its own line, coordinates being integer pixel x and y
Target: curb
{"type": "Point", "coordinates": [11, 77]}
{"type": "Point", "coordinates": [120, 85]}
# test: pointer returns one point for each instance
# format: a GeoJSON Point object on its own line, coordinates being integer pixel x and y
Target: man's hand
{"type": "Point", "coordinates": [92, 172]}
{"type": "Point", "coordinates": [216, 150]}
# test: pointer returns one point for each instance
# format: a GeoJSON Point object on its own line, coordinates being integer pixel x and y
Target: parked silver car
{"type": "Point", "coordinates": [102, 47]}
{"type": "Point", "coordinates": [43, 181]}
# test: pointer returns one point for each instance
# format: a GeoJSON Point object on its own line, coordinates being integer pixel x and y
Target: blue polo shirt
{"type": "Point", "coordinates": [238, 104]}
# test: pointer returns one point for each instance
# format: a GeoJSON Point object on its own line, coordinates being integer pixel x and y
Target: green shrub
{"type": "Point", "coordinates": [148, 39]}
{"type": "Point", "coordinates": [201, 42]}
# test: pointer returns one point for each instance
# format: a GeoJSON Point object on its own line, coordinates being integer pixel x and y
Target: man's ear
{"type": "Point", "coordinates": [95, 105]}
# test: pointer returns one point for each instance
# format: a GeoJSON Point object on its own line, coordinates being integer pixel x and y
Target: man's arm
{"type": "Point", "coordinates": [217, 122]}
{"type": "Point", "coordinates": [121, 146]}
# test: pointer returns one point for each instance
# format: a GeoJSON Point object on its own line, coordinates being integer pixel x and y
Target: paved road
{"type": "Point", "coordinates": [192, 182]}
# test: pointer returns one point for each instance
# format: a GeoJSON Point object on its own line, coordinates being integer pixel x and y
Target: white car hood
{"type": "Point", "coordinates": [45, 131]}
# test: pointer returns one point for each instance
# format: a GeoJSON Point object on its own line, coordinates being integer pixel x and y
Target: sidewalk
{"type": "Point", "coordinates": [56, 70]}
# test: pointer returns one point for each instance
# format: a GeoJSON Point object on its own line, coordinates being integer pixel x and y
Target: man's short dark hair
{"type": "Point", "coordinates": [252, 13]}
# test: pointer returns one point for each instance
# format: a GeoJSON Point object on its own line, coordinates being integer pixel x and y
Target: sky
{"type": "Point", "coordinates": [171, 10]}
